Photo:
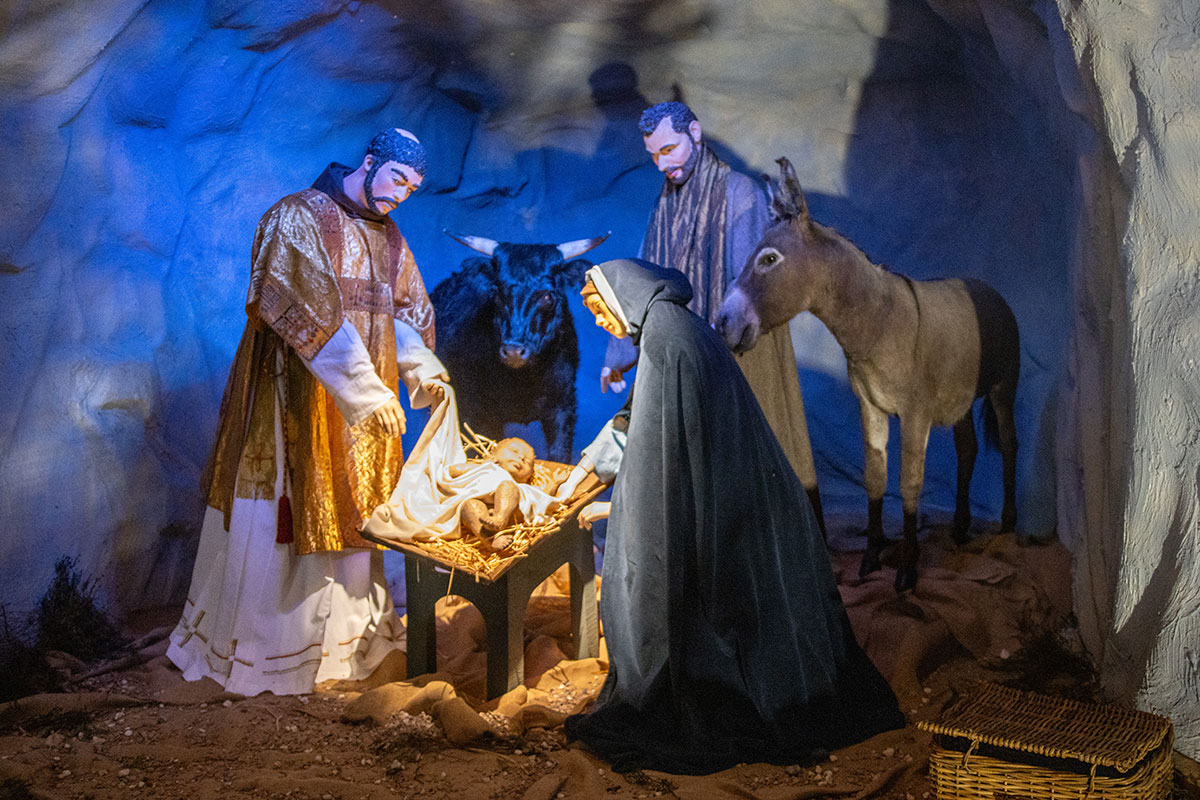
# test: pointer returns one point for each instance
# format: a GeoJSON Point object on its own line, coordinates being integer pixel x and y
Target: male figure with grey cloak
{"type": "Point", "coordinates": [707, 222]}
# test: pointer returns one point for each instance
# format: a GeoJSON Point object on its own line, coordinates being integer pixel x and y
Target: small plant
{"type": "Point", "coordinates": [68, 619]}
{"type": "Point", "coordinates": [1052, 661]}
{"type": "Point", "coordinates": [23, 671]}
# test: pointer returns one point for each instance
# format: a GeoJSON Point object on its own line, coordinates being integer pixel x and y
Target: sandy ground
{"type": "Point", "coordinates": [993, 610]}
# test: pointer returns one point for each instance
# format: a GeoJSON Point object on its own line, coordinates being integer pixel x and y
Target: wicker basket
{"type": "Point", "coordinates": [999, 743]}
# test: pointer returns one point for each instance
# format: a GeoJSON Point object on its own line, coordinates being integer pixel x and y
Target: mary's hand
{"type": "Point", "coordinates": [611, 379]}
{"type": "Point", "coordinates": [566, 490]}
{"type": "Point", "coordinates": [592, 512]}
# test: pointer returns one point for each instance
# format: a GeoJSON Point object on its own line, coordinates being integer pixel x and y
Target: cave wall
{"type": "Point", "coordinates": [145, 137]}
{"type": "Point", "coordinates": [1131, 415]}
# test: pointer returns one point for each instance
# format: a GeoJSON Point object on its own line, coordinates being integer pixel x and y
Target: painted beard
{"type": "Point", "coordinates": [687, 167]}
{"type": "Point", "coordinates": [368, 181]}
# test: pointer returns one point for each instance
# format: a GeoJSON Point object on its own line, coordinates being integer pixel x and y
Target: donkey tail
{"type": "Point", "coordinates": [991, 430]}
{"type": "Point", "coordinates": [999, 356]}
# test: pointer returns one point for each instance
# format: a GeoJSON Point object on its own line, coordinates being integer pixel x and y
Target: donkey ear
{"type": "Point", "coordinates": [779, 208]}
{"type": "Point", "coordinates": [795, 195]}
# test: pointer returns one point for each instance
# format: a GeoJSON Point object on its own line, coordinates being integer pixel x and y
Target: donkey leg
{"type": "Point", "coordinates": [966, 448]}
{"type": "Point", "coordinates": [914, 437]}
{"type": "Point", "coordinates": [875, 438]}
{"type": "Point", "coordinates": [1002, 405]}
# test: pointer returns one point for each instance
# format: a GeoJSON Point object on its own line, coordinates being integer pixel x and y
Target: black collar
{"type": "Point", "coordinates": [330, 183]}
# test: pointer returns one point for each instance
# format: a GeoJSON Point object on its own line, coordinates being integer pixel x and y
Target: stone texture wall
{"type": "Point", "coordinates": [1131, 463]}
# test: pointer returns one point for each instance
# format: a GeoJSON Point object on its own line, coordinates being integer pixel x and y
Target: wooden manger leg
{"type": "Point", "coordinates": [502, 605]}
{"type": "Point", "coordinates": [584, 625]}
{"type": "Point", "coordinates": [424, 586]}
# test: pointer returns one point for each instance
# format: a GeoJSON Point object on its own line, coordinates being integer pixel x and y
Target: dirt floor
{"type": "Point", "coordinates": [994, 610]}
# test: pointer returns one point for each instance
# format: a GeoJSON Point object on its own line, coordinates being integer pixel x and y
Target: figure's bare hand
{"type": "Point", "coordinates": [435, 389]}
{"type": "Point", "coordinates": [612, 379]}
{"type": "Point", "coordinates": [592, 512]}
{"type": "Point", "coordinates": [390, 417]}
{"type": "Point", "coordinates": [566, 489]}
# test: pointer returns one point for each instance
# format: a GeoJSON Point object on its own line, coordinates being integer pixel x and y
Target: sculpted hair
{"type": "Point", "coordinates": [391, 145]}
{"type": "Point", "coordinates": [681, 116]}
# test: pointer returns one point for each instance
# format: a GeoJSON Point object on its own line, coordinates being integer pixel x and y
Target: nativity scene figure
{"type": "Point", "coordinates": [507, 334]}
{"type": "Point", "coordinates": [284, 592]}
{"type": "Point", "coordinates": [920, 350]}
{"type": "Point", "coordinates": [705, 223]}
{"type": "Point", "coordinates": [442, 494]}
{"type": "Point", "coordinates": [489, 515]}
{"type": "Point", "coordinates": [727, 638]}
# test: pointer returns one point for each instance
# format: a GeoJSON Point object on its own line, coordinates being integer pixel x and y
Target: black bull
{"type": "Point", "coordinates": [507, 338]}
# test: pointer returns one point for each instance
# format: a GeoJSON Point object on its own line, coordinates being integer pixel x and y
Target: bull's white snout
{"type": "Point", "coordinates": [514, 355]}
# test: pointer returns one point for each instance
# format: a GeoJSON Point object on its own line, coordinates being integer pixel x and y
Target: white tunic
{"type": "Point", "coordinates": [259, 618]}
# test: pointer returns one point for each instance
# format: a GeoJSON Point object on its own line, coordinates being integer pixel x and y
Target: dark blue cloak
{"type": "Point", "coordinates": [727, 637]}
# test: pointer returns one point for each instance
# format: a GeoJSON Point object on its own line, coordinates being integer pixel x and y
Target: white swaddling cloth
{"type": "Point", "coordinates": [427, 502]}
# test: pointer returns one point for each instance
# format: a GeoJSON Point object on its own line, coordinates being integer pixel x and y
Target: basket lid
{"type": "Point", "coordinates": [1107, 735]}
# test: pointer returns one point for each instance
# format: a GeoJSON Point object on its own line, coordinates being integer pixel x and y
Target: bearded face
{"type": "Point", "coordinates": [675, 153]}
{"type": "Point", "coordinates": [388, 184]}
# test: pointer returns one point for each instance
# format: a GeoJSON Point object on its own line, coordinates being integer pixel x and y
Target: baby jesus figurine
{"type": "Point", "coordinates": [514, 456]}
{"type": "Point", "coordinates": [442, 495]}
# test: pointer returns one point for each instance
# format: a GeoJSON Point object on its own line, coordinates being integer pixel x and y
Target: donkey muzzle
{"type": "Point", "coordinates": [737, 322]}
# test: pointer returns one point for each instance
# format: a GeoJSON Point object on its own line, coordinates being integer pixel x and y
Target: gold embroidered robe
{"type": "Point", "coordinates": [314, 267]}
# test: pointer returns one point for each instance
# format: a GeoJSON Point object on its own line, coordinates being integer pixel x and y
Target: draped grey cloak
{"type": "Point", "coordinates": [727, 638]}
{"type": "Point", "coordinates": [707, 228]}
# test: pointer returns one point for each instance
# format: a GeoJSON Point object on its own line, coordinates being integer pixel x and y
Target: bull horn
{"type": "Point", "coordinates": [485, 246]}
{"type": "Point", "coordinates": [578, 247]}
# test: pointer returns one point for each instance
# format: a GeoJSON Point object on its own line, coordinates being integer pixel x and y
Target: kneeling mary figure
{"type": "Point", "coordinates": [727, 637]}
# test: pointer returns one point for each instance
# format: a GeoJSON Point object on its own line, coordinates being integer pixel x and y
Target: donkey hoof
{"type": "Point", "coordinates": [870, 563]}
{"type": "Point", "coordinates": [962, 525]}
{"type": "Point", "coordinates": [906, 578]}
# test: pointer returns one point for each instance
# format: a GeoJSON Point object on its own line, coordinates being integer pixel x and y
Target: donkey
{"type": "Point", "coordinates": [922, 350]}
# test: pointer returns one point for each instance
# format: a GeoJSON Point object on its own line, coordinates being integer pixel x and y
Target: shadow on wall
{"type": "Point", "coordinates": [954, 170]}
{"type": "Point", "coordinates": [599, 180]}
{"type": "Point", "coordinates": [564, 193]}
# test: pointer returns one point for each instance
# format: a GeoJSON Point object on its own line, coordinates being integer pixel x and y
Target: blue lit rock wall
{"type": "Point", "coordinates": [1130, 460]}
{"type": "Point", "coordinates": [142, 140]}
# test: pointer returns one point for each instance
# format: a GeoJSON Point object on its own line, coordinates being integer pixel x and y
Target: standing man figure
{"type": "Point", "coordinates": [706, 224]}
{"type": "Point", "coordinates": [284, 592]}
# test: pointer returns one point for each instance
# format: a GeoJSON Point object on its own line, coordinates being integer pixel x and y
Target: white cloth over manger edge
{"type": "Point", "coordinates": [427, 502]}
